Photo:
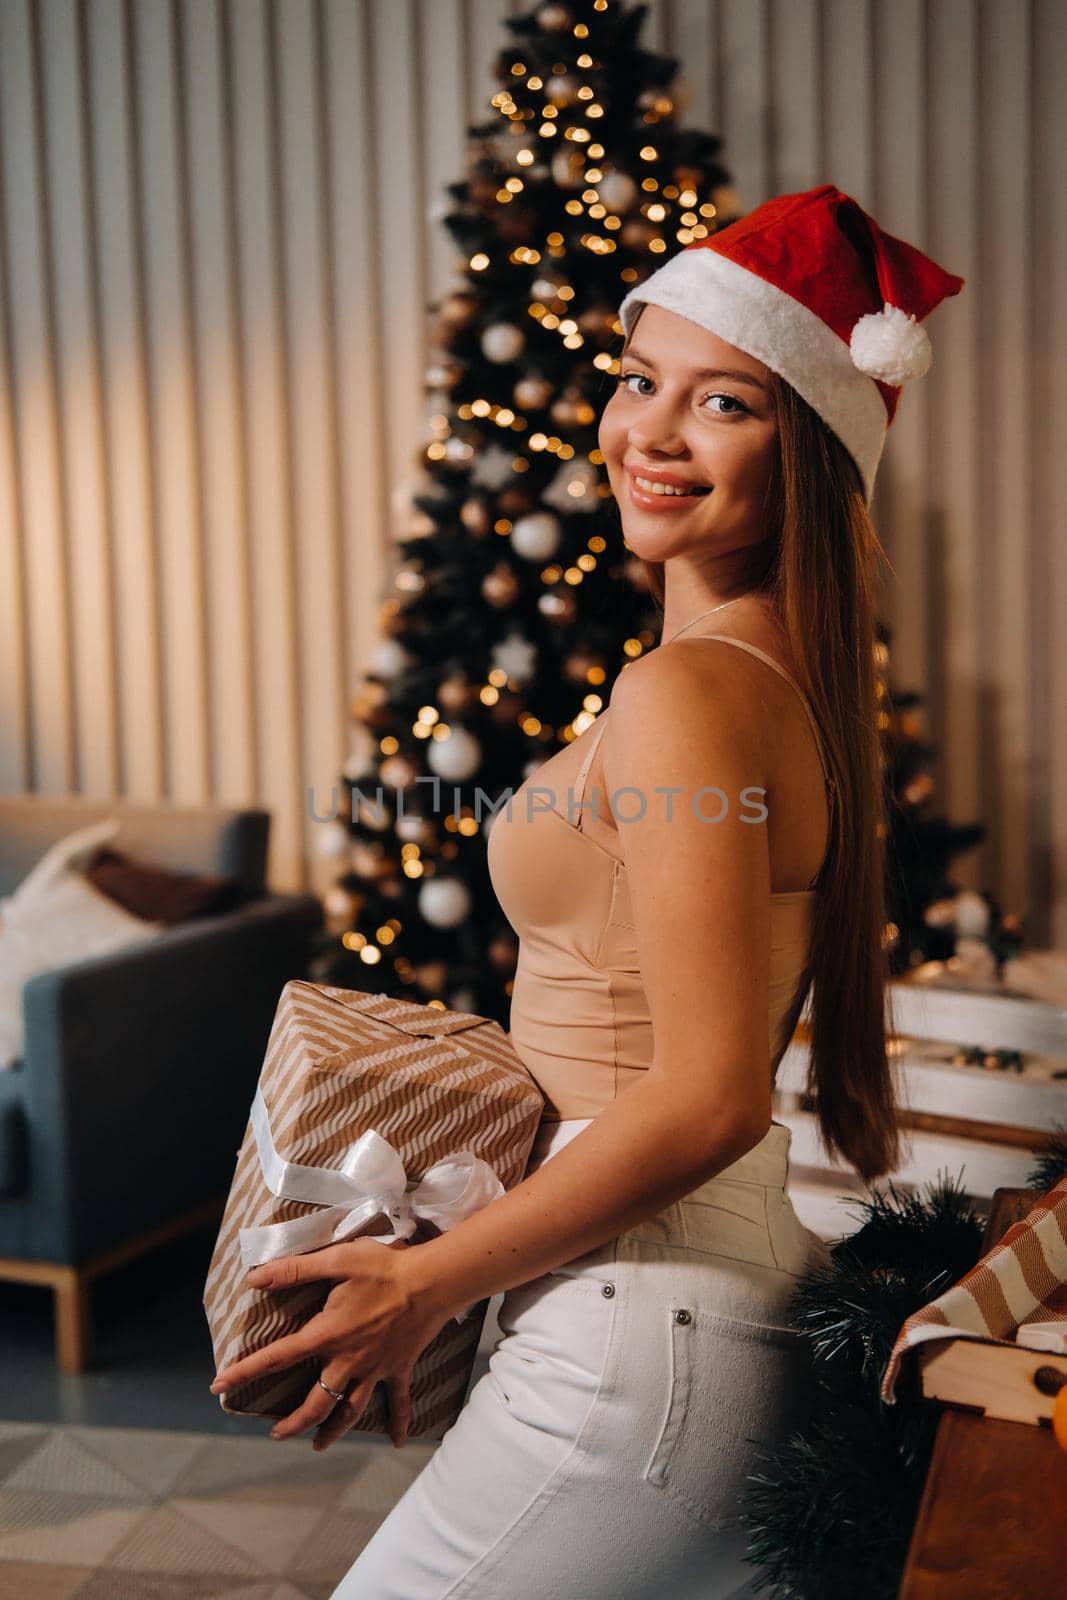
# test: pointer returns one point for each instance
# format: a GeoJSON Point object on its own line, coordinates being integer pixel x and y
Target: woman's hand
{"type": "Point", "coordinates": [371, 1328]}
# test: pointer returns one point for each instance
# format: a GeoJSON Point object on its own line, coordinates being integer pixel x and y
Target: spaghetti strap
{"type": "Point", "coordinates": [583, 771]}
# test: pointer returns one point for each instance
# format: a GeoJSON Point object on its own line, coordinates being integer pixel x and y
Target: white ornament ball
{"type": "Point", "coordinates": [390, 659]}
{"type": "Point", "coordinates": [502, 341]}
{"type": "Point", "coordinates": [456, 758]}
{"type": "Point", "coordinates": [568, 168]}
{"type": "Point", "coordinates": [972, 914]}
{"type": "Point", "coordinates": [533, 392]}
{"type": "Point", "coordinates": [553, 18]}
{"type": "Point", "coordinates": [617, 191]}
{"type": "Point", "coordinates": [333, 840]}
{"type": "Point", "coordinates": [560, 90]}
{"type": "Point", "coordinates": [537, 536]}
{"type": "Point", "coordinates": [444, 902]}
{"type": "Point", "coordinates": [413, 829]}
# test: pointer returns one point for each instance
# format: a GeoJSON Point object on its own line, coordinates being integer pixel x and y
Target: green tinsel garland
{"type": "Point", "coordinates": [833, 1508]}
{"type": "Point", "coordinates": [834, 1505]}
{"type": "Point", "coordinates": [1050, 1164]}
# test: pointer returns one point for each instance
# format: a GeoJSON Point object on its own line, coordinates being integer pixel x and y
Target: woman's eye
{"type": "Point", "coordinates": [624, 377]}
{"type": "Point", "coordinates": [641, 377]}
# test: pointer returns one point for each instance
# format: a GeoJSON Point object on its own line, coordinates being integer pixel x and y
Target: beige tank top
{"type": "Point", "coordinates": [580, 1021]}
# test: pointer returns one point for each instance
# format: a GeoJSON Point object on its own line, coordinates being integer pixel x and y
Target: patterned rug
{"type": "Point", "coordinates": [141, 1514]}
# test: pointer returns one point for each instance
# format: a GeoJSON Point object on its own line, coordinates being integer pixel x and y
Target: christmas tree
{"type": "Point", "coordinates": [514, 602]}
{"type": "Point", "coordinates": [930, 918]}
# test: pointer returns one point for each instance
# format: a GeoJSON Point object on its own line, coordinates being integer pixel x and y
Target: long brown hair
{"type": "Point", "coordinates": [822, 550]}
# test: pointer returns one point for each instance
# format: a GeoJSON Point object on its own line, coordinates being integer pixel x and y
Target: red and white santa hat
{"type": "Point", "coordinates": [811, 286]}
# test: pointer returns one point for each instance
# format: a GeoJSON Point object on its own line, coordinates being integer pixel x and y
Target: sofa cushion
{"type": "Point", "coordinates": [55, 917]}
{"type": "Point", "coordinates": [158, 893]}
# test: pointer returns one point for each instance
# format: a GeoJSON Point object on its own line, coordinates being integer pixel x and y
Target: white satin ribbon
{"type": "Point", "coordinates": [371, 1179]}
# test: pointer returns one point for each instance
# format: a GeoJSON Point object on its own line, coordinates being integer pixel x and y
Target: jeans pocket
{"type": "Point", "coordinates": [549, 1363]}
{"type": "Point", "coordinates": [729, 1388]}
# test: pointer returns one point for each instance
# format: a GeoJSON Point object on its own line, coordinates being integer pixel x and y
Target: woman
{"type": "Point", "coordinates": [650, 1254]}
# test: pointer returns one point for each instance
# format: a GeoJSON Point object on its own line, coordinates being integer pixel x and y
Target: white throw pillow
{"type": "Point", "coordinates": [55, 917]}
{"type": "Point", "coordinates": [72, 851]}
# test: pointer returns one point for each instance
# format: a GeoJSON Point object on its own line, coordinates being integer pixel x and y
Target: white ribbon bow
{"type": "Point", "coordinates": [370, 1179]}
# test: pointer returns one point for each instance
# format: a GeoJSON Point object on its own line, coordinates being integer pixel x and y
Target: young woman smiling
{"type": "Point", "coordinates": [666, 949]}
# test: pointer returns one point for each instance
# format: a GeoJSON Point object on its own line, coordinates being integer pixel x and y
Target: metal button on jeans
{"type": "Point", "coordinates": [608, 1290]}
{"type": "Point", "coordinates": [682, 1316]}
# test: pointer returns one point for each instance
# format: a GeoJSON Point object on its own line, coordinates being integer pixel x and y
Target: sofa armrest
{"type": "Point", "coordinates": [140, 1066]}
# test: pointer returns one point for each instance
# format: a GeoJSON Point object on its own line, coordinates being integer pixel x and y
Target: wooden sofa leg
{"type": "Point", "coordinates": [72, 1320]}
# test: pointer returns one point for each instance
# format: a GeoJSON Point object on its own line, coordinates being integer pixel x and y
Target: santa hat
{"type": "Point", "coordinates": [811, 286]}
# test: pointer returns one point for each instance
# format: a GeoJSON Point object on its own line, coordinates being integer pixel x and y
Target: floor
{"type": "Point", "coordinates": [141, 1514]}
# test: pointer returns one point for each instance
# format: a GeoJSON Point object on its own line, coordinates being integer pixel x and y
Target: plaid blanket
{"type": "Point", "coordinates": [1022, 1279]}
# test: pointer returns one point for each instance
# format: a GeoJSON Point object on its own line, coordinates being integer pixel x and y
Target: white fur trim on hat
{"type": "Point", "coordinates": [748, 312]}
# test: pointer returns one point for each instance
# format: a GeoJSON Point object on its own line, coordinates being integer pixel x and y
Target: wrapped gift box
{"type": "Point", "coordinates": [966, 1341]}
{"type": "Point", "coordinates": [373, 1116]}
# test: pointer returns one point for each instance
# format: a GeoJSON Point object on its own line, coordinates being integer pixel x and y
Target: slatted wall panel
{"type": "Point", "coordinates": [219, 231]}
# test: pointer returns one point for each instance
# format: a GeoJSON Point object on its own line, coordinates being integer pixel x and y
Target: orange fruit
{"type": "Point", "coordinates": [1059, 1418]}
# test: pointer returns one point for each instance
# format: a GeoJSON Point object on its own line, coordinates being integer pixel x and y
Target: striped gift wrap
{"type": "Point", "coordinates": [1023, 1279]}
{"type": "Point", "coordinates": [432, 1082]}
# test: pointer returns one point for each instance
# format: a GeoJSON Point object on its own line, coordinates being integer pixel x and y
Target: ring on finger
{"type": "Point", "coordinates": [343, 1395]}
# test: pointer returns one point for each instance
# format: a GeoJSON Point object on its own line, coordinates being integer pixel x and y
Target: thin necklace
{"type": "Point", "coordinates": [704, 614]}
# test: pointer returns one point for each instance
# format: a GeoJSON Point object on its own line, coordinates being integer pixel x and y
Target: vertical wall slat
{"type": "Point", "coordinates": [847, 87]}
{"type": "Point", "coordinates": [1047, 228]}
{"type": "Point", "coordinates": [444, 149]}
{"type": "Point", "coordinates": [259, 230]}
{"type": "Point", "coordinates": [693, 44]}
{"type": "Point", "coordinates": [223, 511]}
{"type": "Point", "coordinates": [175, 446]}
{"type": "Point", "coordinates": [361, 346]}
{"type": "Point", "coordinates": [1006, 397]}
{"type": "Point", "coordinates": [14, 719]}
{"type": "Point", "coordinates": [957, 673]}
{"type": "Point", "coordinates": [50, 733]}
{"type": "Point", "coordinates": [795, 156]}
{"type": "Point", "coordinates": [898, 200]}
{"type": "Point", "coordinates": [310, 419]}
{"type": "Point", "coordinates": [744, 92]}
{"type": "Point", "coordinates": [396, 108]}
{"type": "Point", "coordinates": [82, 453]}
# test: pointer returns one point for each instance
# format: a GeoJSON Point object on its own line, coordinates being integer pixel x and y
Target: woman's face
{"type": "Point", "coordinates": [675, 410]}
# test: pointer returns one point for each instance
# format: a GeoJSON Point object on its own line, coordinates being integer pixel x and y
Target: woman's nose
{"type": "Point", "coordinates": [657, 430]}
{"type": "Point", "coordinates": [649, 438]}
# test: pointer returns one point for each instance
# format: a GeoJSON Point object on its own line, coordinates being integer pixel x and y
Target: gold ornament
{"type": "Point", "coordinates": [500, 587]}
{"type": "Point", "coordinates": [533, 392]}
{"type": "Point", "coordinates": [456, 693]}
{"type": "Point", "coordinates": [474, 515]}
{"type": "Point", "coordinates": [341, 907]}
{"type": "Point", "coordinates": [431, 976]}
{"type": "Point", "coordinates": [514, 501]}
{"type": "Point", "coordinates": [578, 666]}
{"type": "Point", "coordinates": [457, 309]}
{"type": "Point", "coordinates": [559, 607]}
{"type": "Point", "coordinates": [503, 953]}
{"type": "Point", "coordinates": [638, 232]}
{"type": "Point", "coordinates": [397, 772]}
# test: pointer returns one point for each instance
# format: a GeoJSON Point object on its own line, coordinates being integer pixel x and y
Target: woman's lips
{"type": "Point", "coordinates": [647, 500]}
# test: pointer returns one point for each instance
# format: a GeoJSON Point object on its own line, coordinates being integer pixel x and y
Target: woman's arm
{"type": "Point", "coordinates": [700, 893]}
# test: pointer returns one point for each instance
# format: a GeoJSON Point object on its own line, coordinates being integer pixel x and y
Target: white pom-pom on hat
{"type": "Point", "coordinates": [890, 345]}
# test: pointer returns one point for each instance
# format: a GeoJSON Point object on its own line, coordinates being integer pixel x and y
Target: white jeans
{"type": "Point", "coordinates": [603, 1454]}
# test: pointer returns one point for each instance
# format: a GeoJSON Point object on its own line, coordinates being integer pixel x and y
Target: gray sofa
{"type": "Point", "coordinates": [119, 1126]}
